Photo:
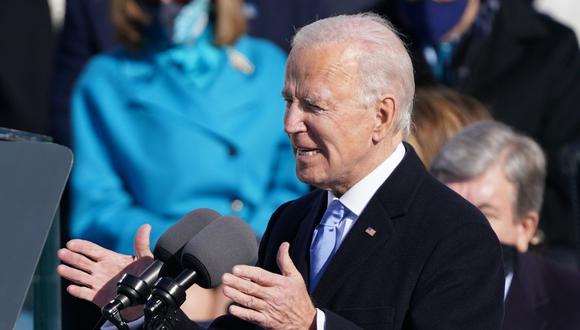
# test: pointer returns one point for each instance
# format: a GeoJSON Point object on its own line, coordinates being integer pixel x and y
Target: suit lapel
{"type": "Point", "coordinates": [356, 248]}
{"type": "Point", "coordinates": [526, 296]}
{"type": "Point", "coordinates": [389, 202]}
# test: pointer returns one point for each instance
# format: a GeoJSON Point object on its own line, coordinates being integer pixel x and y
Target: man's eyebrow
{"type": "Point", "coordinates": [312, 99]}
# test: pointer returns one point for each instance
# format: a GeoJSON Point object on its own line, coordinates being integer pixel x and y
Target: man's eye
{"type": "Point", "coordinates": [313, 107]}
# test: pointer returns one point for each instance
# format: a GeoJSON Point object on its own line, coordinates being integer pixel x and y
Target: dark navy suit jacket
{"type": "Point", "coordinates": [542, 296]}
{"type": "Point", "coordinates": [433, 262]}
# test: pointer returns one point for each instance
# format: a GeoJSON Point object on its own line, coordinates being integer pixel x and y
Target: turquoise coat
{"type": "Point", "coordinates": [151, 144]}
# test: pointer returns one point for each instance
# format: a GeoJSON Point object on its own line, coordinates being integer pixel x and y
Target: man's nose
{"type": "Point", "coordinates": [294, 119]}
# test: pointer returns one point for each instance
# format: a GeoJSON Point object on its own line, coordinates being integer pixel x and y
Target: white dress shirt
{"type": "Point", "coordinates": [508, 283]}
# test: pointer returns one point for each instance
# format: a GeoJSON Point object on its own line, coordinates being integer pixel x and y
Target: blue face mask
{"type": "Point", "coordinates": [183, 24]}
{"type": "Point", "coordinates": [431, 20]}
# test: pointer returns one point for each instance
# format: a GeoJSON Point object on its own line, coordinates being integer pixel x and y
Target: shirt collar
{"type": "Point", "coordinates": [358, 196]}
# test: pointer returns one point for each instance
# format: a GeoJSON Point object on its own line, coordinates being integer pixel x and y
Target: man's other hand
{"type": "Point", "coordinates": [270, 300]}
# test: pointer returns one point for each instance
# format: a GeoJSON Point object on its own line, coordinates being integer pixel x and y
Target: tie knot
{"type": "Point", "coordinates": [334, 214]}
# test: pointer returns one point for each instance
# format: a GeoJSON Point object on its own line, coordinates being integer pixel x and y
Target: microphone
{"type": "Point", "coordinates": [134, 290]}
{"type": "Point", "coordinates": [216, 249]}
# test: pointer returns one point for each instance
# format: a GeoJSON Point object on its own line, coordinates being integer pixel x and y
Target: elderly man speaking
{"type": "Point", "coordinates": [380, 244]}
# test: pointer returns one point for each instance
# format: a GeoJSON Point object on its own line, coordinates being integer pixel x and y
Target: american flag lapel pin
{"type": "Point", "coordinates": [370, 231]}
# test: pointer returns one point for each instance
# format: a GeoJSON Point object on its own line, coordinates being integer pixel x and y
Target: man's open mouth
{"type": "Point", "coordinates": [306, 152]}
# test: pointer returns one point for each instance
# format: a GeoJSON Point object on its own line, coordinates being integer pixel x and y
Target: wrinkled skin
{"type": "Point", "coordinates": [272, 301]}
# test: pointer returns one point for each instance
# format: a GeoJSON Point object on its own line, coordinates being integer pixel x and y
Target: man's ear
{"type": "Point", "coordinates": [527, 228]}
{"type": "Point", "coordinates": [384, 118]}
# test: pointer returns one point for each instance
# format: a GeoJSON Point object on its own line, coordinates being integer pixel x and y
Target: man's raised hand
{"type": "Point", "coordinates": [270, 300]}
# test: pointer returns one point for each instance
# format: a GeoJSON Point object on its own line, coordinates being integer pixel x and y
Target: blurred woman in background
{"type": "Point", "coordinates": [438, 114]}
{"type": "Point", "coordinates": [187, 115]}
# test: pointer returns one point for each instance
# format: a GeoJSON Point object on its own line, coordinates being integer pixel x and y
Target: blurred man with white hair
{"type": "Point", "coordinates": [503, 173]}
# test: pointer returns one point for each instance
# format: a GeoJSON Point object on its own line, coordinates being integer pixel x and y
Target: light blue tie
{"type": "Point", "coordinates": [326, 240]}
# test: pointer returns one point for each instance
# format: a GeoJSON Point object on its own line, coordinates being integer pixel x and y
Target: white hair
{"type": "Point", "coordinates": [383, 61]}
{"type": "Point", "coordinates": [480, 146]}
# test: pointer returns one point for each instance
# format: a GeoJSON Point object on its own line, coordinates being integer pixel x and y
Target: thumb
{"type": "Point", "coordinates": [141, 242]}
{"type": "Point", "coordinates": [285, 262]}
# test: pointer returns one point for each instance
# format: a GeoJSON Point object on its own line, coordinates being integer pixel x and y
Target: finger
{"type": "Point", "coordinates": [243, 299]}
{"type": "Point", "coordinates": [141, 242]}
{"type": "Point", "coordinates": [248, 315]}
{"type": "Point", "coordinates": [257, 275]}
{"type": "Point", "coordinates": [244, 285]}
{"type": "Point", "coordinates": [76, 260]}
{"type": "Point", "coordinates": [74, 275]}
{"type": "Point", "coordinates": [81, 292]}
{"type": "Point", "coordinates": [284, 261]}
{"type": "Point", "coordinates": [89, 249]}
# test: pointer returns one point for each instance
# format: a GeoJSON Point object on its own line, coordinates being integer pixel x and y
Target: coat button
{"type": "Point", "coordinates": [237, 205]}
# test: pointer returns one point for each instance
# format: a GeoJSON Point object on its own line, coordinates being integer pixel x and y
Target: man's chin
{"type": "Point", "coordinates": [308, 177]}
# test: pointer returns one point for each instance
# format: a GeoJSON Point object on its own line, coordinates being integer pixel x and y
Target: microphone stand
{"type": "Point", "coordinates": [131, 290]}
{"type": "Point", "coordinates": [114, 316]}
{"type": "Point", "coordinates": [167, 296]}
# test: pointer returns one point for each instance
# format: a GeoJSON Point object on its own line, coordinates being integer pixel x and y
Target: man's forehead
{"type": "Point", "coordinates": [489, 182]}
{"type": "Point", "coordinates": [317, 62]}
{"type": "Point", "coordinates": [320, 84]}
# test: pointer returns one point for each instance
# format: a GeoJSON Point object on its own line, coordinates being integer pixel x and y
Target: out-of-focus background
{"type": "Point", "coordinates": [122, 116]}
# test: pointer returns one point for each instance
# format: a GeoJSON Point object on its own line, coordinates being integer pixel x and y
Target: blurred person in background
{"type": "Point", "coordinates": [177, 120]}
{"type": "Point", "coordinates": [502, 173]}
{"type": "Point", "coordinates": [438, 114]}
{"type": "Point", "coordinates": [523, 65]}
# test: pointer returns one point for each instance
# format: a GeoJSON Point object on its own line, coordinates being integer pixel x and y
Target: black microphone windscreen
{"type": "Point", "coordinates": [217, 248]}
{"type": "Point", "coordinates": [169, 244]}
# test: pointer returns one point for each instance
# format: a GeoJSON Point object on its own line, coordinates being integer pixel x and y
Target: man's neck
{"type": "Point", "coordinates": [374, 178]}
{"type": "Point", "coordinates": [383, 152]}
{"type": "Point", "coordinates": [358, 195]}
